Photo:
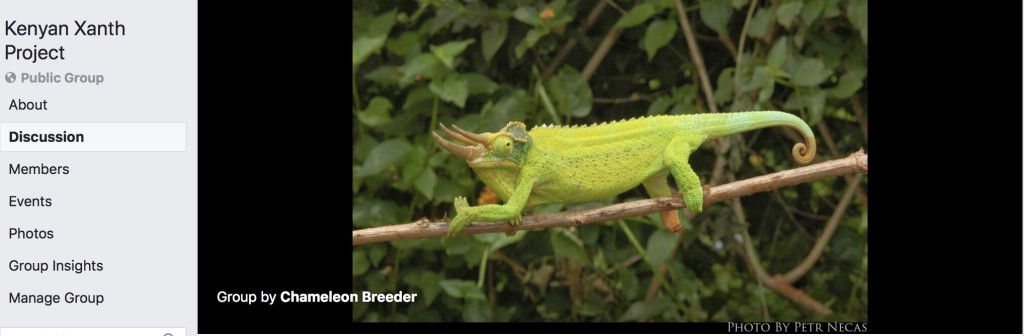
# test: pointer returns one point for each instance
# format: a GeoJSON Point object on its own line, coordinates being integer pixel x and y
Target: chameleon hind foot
{"type": "Point", "coordinates": [671, 220]}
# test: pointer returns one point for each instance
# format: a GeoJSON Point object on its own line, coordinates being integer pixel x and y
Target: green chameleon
{"type": "Point", "coordinates": [578, 164]}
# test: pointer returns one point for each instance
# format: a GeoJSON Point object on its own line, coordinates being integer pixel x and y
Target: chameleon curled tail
{"type": "Point", "coordinates": [722, 124]}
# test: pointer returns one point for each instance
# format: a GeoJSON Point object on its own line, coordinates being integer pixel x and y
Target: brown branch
{"type": "Point", "coordinates": [776, 282]}
{"type": "Point", "coordinates": [826, 235]}
{"type": "Point", "coordinates": [424, 228]}
{"type": "Point", "coordinates": [562, 54]}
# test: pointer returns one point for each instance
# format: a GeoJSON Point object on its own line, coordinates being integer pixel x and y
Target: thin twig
{"type": "Point", "coordinates": [827, 136]}
{"type": "Point", "coordinates": [728, 44]}
{"type": "Point", "coordinates": [826, 234]}
{"type": "Point", "coordinates": [776, 282]}
{"type": "Point", "coordinates": [629, 262]}
{"type": "Point", "coordinates": [652, 289]}
{"type": "Point", "coordinates": [739, 55]}
{"type": "Point", "coordinates": [600, 53]}
{"type": "Point", "coordinates": [424, 228]}
{"type": "Point", "coordinates": [858, 109]}
{"type": "Point", "coordinates": [611, 2]}
{"type": "Point", "coordinates": [517, 269]}
{"type": "Point", "coordinates": [698, 60]}
{"type": "Point", "coordinates": [564, 52]}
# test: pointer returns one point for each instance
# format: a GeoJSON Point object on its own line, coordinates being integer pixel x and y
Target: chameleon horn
{"type": "Point", "coordinates": [478, 138]}
{"type": "Point", "coordinates": [457, 136]}
{"type": "Point", "coordinates": [465, 152]}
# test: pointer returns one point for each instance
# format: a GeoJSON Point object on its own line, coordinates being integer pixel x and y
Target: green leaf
{"type": "Point", "coordinates": [857, 12]}
{"type": "Point", "coordinates": [569, 246]}
{"type": "Point", "coordinates": [812, 10]}
{"type": "Point", "coordinates": [846, 245]}
{"type": "Point", "coordinates": [724, 91]}
{"type": "Point", "coordinates": [716, 14]}
{"type": "Point", "coordinates": [760, 78]}
{"type": "Point", "coordinates": [630, 285]}
{"type": "Point", "coordinates": [359, 262]}
{"type": "Point", "coordinates": [779, 54]}
{"type": "Point", "coordinates": [423, 65]}
{"type": "Point", "coordinates": [376, 113]}
{"type": "Point", "coordinates": [814, 101]}
{"type": "Point", "coordinates": [452, 88]}
{"type": "Point", "coordinates": [660, 105]}
{"type": "Point", "coordinates": [385, 74]}
{"type": "Point", "coordinates": [810, 72]}
{"type": "Point", "coordinates": [374, 213]}
{"type": "Point", "coordinates": [492, 38]}
{"type": "Point", "coordinates": [448, 51]}
{"type": "Point", "coordinates": [504, 240]}
{"type": "Point", "coordinates": [765, 94]}
{"type": "Point", "coordinates": [446, 191]}
{"type": "Point", "coordinates": [383, 156]}
{"type": "Point", "coordinates": [570, 94]}
{"type": "Point", "coordinates": [426, 182]}
{"type": "Point", "coordinates": [377, 253]}
{"type": "Point", "coordinates": [412, 168]}
{"type": "Point", "coordinates": [363, 47]}
{"type": "Point", "coordinates": [417, 95]}
{"type": "Point", "coordinates": [787, 12]}
{"type": "Point", "coordinates": [362, 148]}
{"type": "Point", "coordinates": [646, 309]}
{"type": "Point", "coordinates": [479, 84]}
{"type": "Point", "coordinates": [477, 311]}
{"type": "Point", "coordinates": [658, 34]}
{"type": "Point", "coordinates": [636, 15]}
{"type": "Point", "coordinates": [849, 83]}
{"type": "Point", "coordinates": [381, 24]}
{"type": "Point", "coordinates": [659, 246]}
{"type": "Point", "coordinates": [462, 289]}
{"type": "Point", "coordinates": [376, 34]}
{"type": "Point", "coordinates": [528, 15]}
{"type": "Point", "coordinates": [762, 20]}
{"type": "Point", "coordinates": [531, 38]}
{"type": "Point", "coordinates": [511, 107]}
{"type": "Point", "coordinates": [408, 42]}
{"type": "Point", "coordinates": [427, 282]}
{"type": "Point", "coordinates": [832, 9]}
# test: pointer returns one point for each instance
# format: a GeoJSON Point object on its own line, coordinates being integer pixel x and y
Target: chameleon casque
{"type": "Point", "coordinates": [577, 164]}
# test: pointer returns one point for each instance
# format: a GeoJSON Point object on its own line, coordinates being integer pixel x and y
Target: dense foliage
{"type": "Point", "coordinates": [480, 64]}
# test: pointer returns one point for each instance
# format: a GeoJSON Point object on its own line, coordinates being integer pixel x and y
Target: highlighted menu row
{"type": "Point", "coordinates": [92, 137]}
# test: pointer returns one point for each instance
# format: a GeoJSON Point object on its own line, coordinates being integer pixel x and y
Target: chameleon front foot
{"type": "Point", "coordinates": [462, 217]}
{"type": "Point", "coordinates": [513, 227]}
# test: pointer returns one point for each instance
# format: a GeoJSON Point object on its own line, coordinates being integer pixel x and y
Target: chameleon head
{"type": "Point", "coordinates": [503, 149]}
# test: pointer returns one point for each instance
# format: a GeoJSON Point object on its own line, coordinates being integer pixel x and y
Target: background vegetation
{"type": "Point", "coordinates": [480, 64]}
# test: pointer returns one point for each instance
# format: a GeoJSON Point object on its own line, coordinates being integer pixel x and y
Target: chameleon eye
{"type": "Point", "coordinates": [503, 146]}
